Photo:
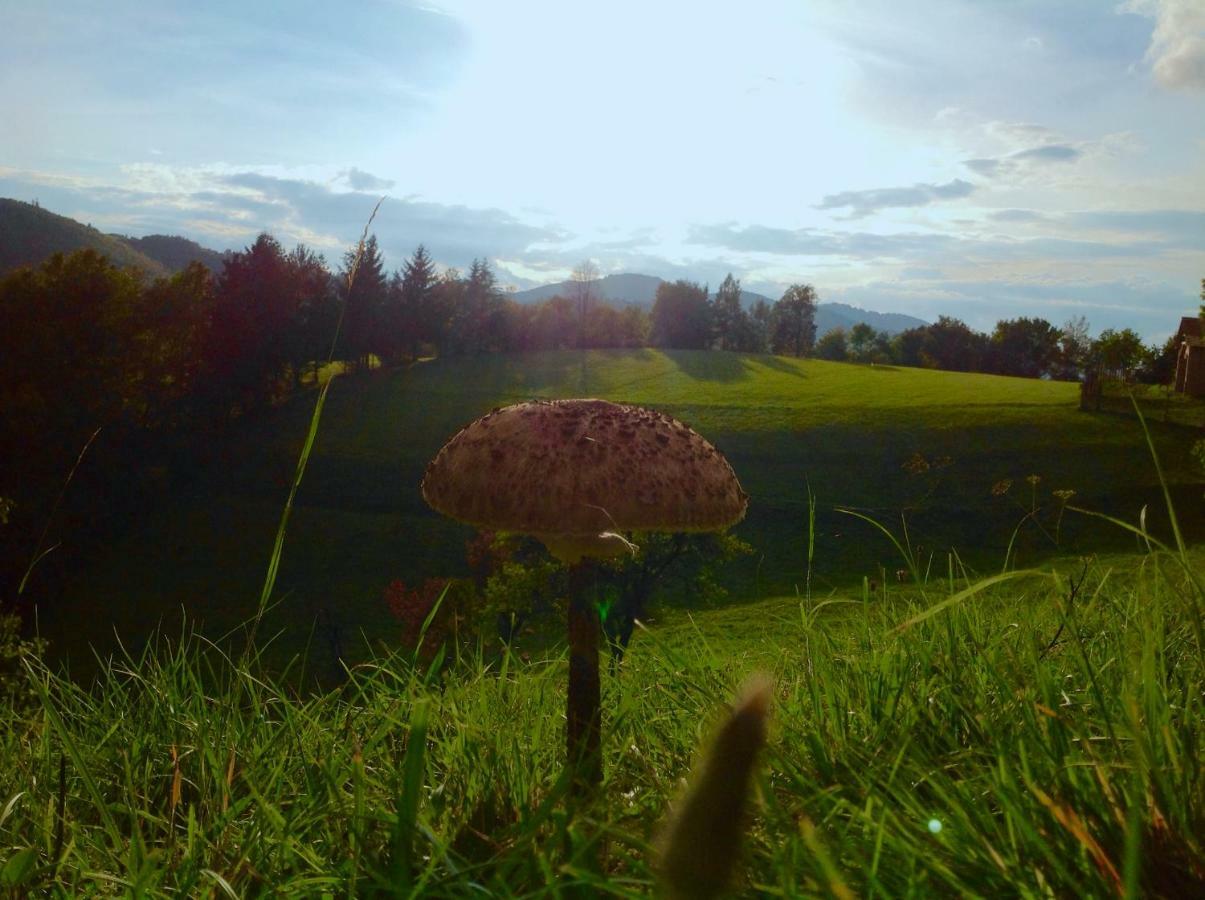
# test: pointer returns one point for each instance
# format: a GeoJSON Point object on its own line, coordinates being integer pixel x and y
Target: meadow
{"type": "Point", "coordinates": [1020, 715]}
{"type": "Point", "coordinates": [851, 435]}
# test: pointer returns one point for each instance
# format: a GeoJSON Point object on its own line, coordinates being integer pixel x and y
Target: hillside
{"type": "Point", "coordinates": [29, 234]}
{"type": "Point", "coordinates": [641, 290]}
{"type": "Point", "coordinates": [852, 434]}
{"type": "Point", "coordinates": [842, 315]}
{"type": "Point", "coordinates": [174, 252]}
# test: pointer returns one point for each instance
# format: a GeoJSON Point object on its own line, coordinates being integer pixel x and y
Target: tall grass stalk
{"type": "Point", "coordinates": [303, 458]}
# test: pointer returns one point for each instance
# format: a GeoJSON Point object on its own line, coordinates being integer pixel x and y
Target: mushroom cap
{"type": "Point", "coordinates": [579, 468]}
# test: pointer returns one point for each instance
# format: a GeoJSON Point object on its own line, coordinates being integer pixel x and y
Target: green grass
{"type": "Point", "coordinates": [845, 430]}
{"type": "Point", "coordinates": [1053, 731]}
{"type": "Point", "coordinates": [1036, 732]}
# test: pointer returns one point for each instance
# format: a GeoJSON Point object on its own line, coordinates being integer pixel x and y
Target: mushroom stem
{"type": "Point", "coordinates": [583, 717]}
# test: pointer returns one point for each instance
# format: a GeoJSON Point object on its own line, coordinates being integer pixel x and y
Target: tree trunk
{"type": "Point", "coordinates": [583, 731]}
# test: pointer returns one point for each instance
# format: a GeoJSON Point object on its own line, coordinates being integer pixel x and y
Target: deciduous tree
{"type": "Point", "coordinates": [793, 321]}
{"type": "Point", "coordinates": [681, 317]}
{"type": "Point", "coordinates": [832, 346]}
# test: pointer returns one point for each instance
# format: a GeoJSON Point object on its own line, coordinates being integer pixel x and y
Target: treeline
{"type": "Point", "coordinates": [1025, 347]}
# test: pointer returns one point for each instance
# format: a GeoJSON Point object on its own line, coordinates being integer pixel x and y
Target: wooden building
{"type": "Point", "coordinates": [1190, 358]}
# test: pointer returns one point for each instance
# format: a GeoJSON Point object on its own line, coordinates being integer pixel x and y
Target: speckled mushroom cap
{"type": "Point", "coordinates": [574, 469]}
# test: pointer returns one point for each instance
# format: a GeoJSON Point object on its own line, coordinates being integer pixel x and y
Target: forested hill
{"type": "Point", "coordinates": [641, 290]}
{"type": "Point", "coordinates": [174, 252]}
{"type": "Point", "coordinates": [29, 234]}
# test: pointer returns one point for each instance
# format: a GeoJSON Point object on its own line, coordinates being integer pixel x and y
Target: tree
{"type": "Point", "coordinates": [661, 563]}
{"type": "Point", "coordinates": [952, 345]}
{"type": "Point", "coordinates": [727, 317]}
{"type": "Point", "coordinates": [1075, 347]}
{"type": "Point", "coordinates": [1118, 353]}
{"type": "Point", "coordinates": [832, 346]}
{"type": "Point", "coordinates": [1029, 348]}
{"type": "Point", "coordinates": [907, 347]}
{"type": "Point", "coordinates": [71, 355]}
{"type": "Point", "coordinates": [318, 310]}
{"type": "Point", "coordinates": [554, 324]}
{"type": "Point", "coordinates": [364, 333]}
{"type": "Point", "coordinates": [861, 342]}
{"type": "Point", "coordinates": [1159, 363]}
{"type": "Point", "coordinates": [759, 323]}
{"type": "Point", "coordinates": [254, 335]}
{"type": "Point", "coordinates": [583, 291]}
{"type": "Point", "coordinates": [175, 326]}
{"type": "Point", "coordinates": [681, 316]}
{"type": "Point", "coordinates": [477, 312]}
{"type": "Point", "coordinates": [417, 321]}
{"type": "Point", "coordinates": [793, 321]}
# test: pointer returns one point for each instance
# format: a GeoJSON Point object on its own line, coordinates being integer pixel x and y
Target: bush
{"type": "Point", "coordinates": [16, 691]}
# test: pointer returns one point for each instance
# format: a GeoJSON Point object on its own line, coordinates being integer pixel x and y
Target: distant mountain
{"type": "Point", "coordinates": [842, 315]}
{"type": "Point", "coordinates": [640, 290]}
{"type": "Point", "coordinates": [618, 290]}
{"type": "Point", "coordinates": [174, 253]}
{"type": "Point", "coordinates": [29, 234]}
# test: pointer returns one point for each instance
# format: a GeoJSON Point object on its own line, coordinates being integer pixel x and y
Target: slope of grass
{"type": "Point", "coordinates": [1039, 738]}
{"type": "Point", "coordinates": [849, 432]}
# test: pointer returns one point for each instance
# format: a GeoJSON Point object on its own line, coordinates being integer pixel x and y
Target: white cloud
{"type": "Point", "coordinates": [1177, 49]}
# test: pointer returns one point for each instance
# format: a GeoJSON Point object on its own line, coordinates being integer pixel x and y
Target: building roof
{"type": "Point", "coordinates": [1190, 327]}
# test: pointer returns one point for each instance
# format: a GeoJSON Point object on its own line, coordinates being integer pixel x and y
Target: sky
{"type": "Point", "coordinates": [975, 158]}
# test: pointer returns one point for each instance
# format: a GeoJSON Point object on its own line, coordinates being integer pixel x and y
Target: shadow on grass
{"type": "Point", "coordinates": [778, 364]}
{"type": "Point", "coordinates": [710, 365]}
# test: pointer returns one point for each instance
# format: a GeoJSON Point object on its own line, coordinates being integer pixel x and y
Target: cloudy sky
{"type": "Point", "coordinates": [978, 159]}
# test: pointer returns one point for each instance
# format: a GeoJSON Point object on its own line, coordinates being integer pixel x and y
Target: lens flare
{"type": "Point", "coordinates": [935, 826]}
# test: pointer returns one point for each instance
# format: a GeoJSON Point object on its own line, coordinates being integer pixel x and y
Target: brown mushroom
{"type": "Point", "coordinates": [574, 474]}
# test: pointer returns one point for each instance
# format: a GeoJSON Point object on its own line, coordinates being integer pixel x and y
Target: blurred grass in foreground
{"type": "Point", "coordinates": [1040, 737]}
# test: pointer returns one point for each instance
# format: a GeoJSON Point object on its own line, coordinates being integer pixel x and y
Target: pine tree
{"type": "Point", "coordinates": [417, 310]}
{"type": "Point", "coordinates": [363, 327]}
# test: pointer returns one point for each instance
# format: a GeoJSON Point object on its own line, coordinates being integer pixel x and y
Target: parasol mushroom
{"type": "Point", "coordinates": [574, 474]}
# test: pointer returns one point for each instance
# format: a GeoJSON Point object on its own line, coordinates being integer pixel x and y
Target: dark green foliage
{"type": "Point", "coordinates": [364, 332]}
{"type": "Point", "coordinates": [793, 321]}
{"type": "Point", "coordinates": [681, 317]}
{"type": "Point", "coordinates": [1029, 348]}
{"type": "Point", "coordinates": [734, 329]}
{"type": "Point", "coordinates": [833, 346]}
{"type": "Point", "coordinates": [869, 346]}
{"type": "Point", "coordinates": [947, 344]}
{"type": "Point", "coordinates": [1118, 353]}
{"type": "Point", "coordinates": [678, 569]}
{"type": "Point", "coordinates": [1075, 349]}
{"type": "Point", "coordinates": [477, 313]}
{"type": "Point", "coordinates": [1159, 363]}
{"type": "Point", "coordinates": [258, 336]}
{"type": "Point", "coordinates": [412, 312]}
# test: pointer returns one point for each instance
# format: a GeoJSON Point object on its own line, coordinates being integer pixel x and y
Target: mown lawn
{"type": "Point", "coordinates": [852, 434]}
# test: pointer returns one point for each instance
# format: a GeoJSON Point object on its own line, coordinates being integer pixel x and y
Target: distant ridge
{"type": "Point", "coordinates": [640, 290]}
{"type": "Point", "coordinates": [174, 252]}
{"type": "Point", "coordinates": [29, 234]}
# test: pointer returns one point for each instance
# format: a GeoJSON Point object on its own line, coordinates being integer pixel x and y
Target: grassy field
{"type": "Point", "coordinates": [850, 433]}
{"type": "Point", "coordinates": [1040, 737]}
{"type": "Point", "coordinates": [986, 728]}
